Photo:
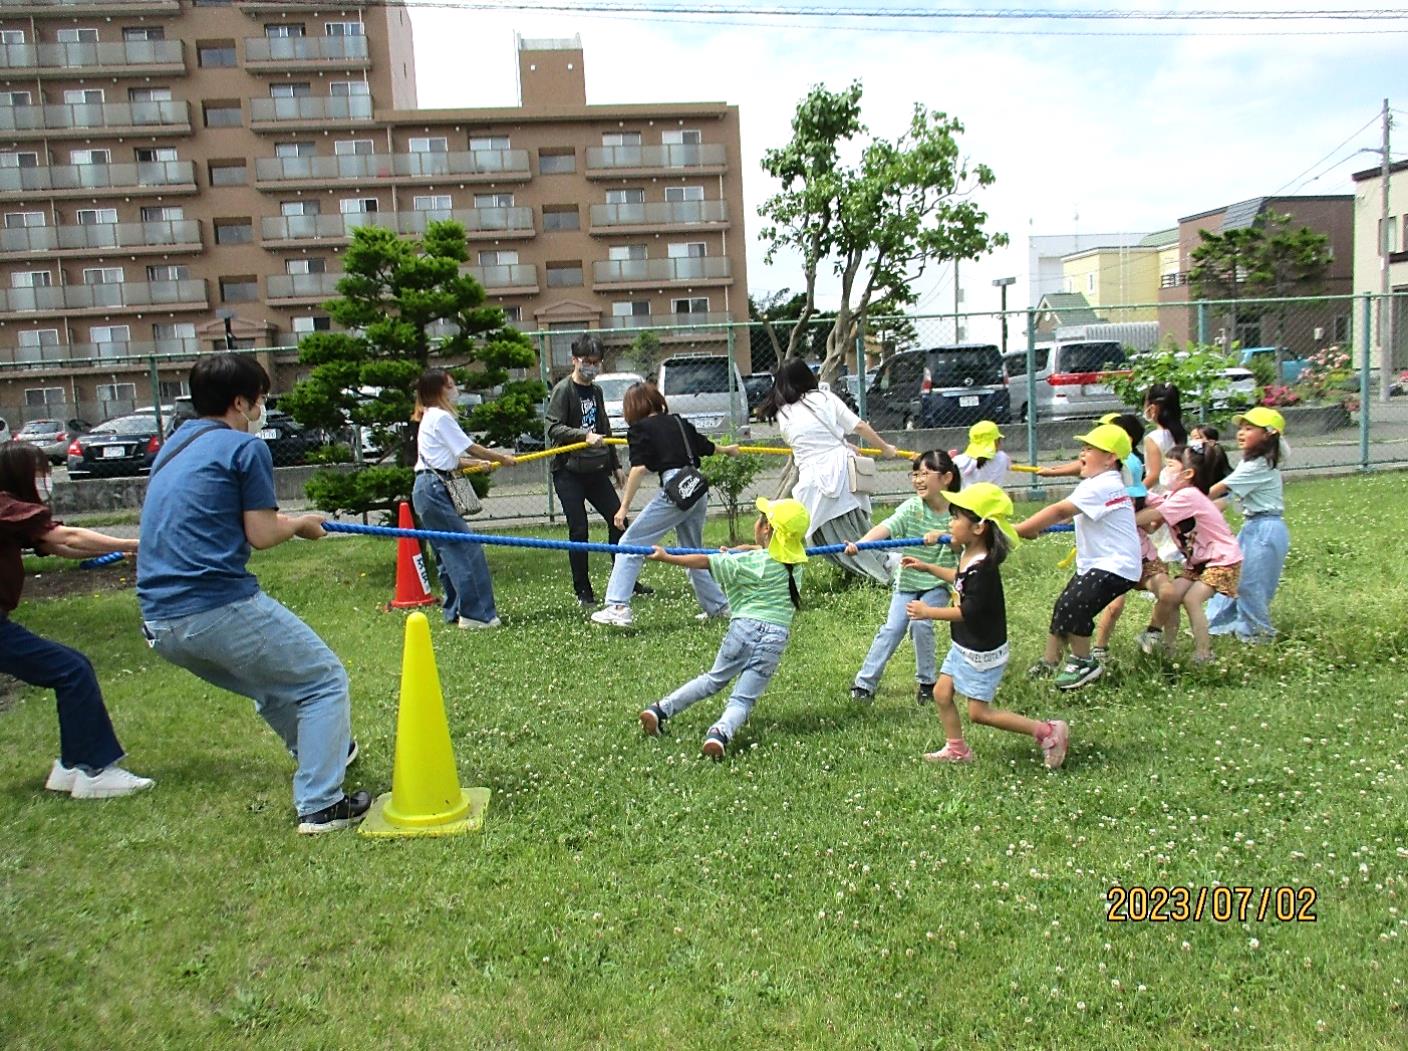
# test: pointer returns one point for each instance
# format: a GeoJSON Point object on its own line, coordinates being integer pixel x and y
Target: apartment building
{"type": "Point", "coordinates": [175, 176]}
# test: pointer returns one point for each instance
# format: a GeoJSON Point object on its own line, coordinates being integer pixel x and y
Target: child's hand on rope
{"type": "Point", "coordinates": [932, 537]}
{"type": "Point", "coordinates": [657, 553]}
{"type": "Point", "coordinates": [851, 548]}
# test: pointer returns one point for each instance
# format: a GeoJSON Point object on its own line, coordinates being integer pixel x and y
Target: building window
{"type": "Point", "coordinates": [15, 98]}
{"type": "Point", "coordinates": [1090, 281]}
{"type": "Point", "coordinates": [564, 275]}
{"type": "Point", "coordinates": [83, 96]}
{"type": "Point", "coordinates": [687, 250]}
{"type": "Point", "coordinates": [693, 305]}
{"type": "Point", "coordinates": [312, 323]}
{"type": "Point", "coordinates": [343, 29]}
{"type": "Point", "coordinates": [234, 231]}
{"type": "Point", "coordinates": [77, 36]}
{"type": "Point", "coordinates": [162, 213]}
{"type": "Point", "coordinates": [679, 194]}
{"type": "Point", "coordinates": [628, 196]}
{"type": "Point", "coordinates": [283, 30]}
{"type": "Point", "coordinates": [1388, 235]}
{"type": "Point", "coordinates": [154, 154]}
{"type": "Point", "coordinates": [110, 334]}
{"type": "Point", "coordinates": [95, 216]}
{"type": "Point", "coordinates": [433, 144]}
{"type": "Point", "coordinates": [19, 219]}
{"type": "Point", "coordinates": [431, 202]}
{"type": "Point", "coordinates": [111, 392]}
{"type": "Point", "coordinates": [11, 36]}
{"type": "Point", "coordinates": [626, 252]}
{"type": "Point", "coordinates": [103, 275]}
{"type": "Point", "coordinates": [620, 138]}
{"type": "Point", "coordinates": [172, 389]}
{"type": "Point", "coordinates": [228, 173]}
{"type": "Point", "coordinates": [631, 308]}
{"type": "Point", "coordinates": [26, 159]}
{"type": "Point", "coordinates": [493, 200]}
{"type": "Point", "coordinates": [681, 137]}
{"type": "Point", "coordinates": [310, 207]}
{"type": "Point", "coordinates": [290, 90]}
{"type": "Point", "coordinates": [239, 289]}
{"type": "Point", "coordinates": [168, 272]}
{"type": "Point", "coordinates": [89, 156]}
{"type": "Point", "coordinates": [556, 162]}
{"type": "Point", "coordinates": [306, 266]}
{"type": "Point", "coordinates": [31, 279]}
{"type": "Point", "coordinates": [173, 330]}
{"type": "Point", "coordinates": [346, 88]}
{"type": "Point", "coordinates": [488, 142]}
{"type": "Point", "coordinates": [212, 54]}
{"type": "Point", "coordinates": [354, 147]}
{"type": "Point", "coordinates": [561, 217]}
{"type": "Point", "coordinates": [148, 94]}
{"type": "Point", "coordinates": [43, 397]}
{"type": "Point", "coordinates": [144, 33]}
{"type": "Point", "coordinates": [513, 314]}
{"type": "Point", "coordinates": [31, 348]}
{"type": "Point", "coordinates": [225, 113]}
{"type": "Point", "coordinates": [499, 257]}
{"type": "Point", "coordinates": [295, 149]}
{"type": "Point", "coordinates": [358, 205]}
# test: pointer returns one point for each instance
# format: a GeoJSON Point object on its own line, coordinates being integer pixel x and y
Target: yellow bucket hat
{"type": "Point", "coordinates": [1109, 417]}
{"type": "Point", "coordinates": [983, 437]}
{"type": "Point", "coordinates": [990, 504]}
{"type": "Point", "coordinates": [1266, 419]}
{"type": "Point", "coordinates": [1109, 438]}
{"type": "Point", "coordinates": [790, 522]}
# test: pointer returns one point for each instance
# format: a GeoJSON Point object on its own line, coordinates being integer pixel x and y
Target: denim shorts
{"type": "Point", "coordinates": [979, 684]}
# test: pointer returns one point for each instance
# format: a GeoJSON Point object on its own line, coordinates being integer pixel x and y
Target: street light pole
{"type": "Point", "coordinates": [1002, 283]}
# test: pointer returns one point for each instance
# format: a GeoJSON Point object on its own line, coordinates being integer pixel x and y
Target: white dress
{"type": "Point", "coordinates": [812, 427]}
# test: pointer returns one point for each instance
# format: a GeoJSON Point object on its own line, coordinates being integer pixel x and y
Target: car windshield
{"type": "Point", "coordinates": [128, 425]}
{"type": "Point", "coordinates": [706, 376]}
{"type": "Point", "coordinates": [41, 427]}
{"type": "Point", "coordinates": [957, 367]}
{"type": "Point", "coordinates": [1091, 357]}
{"type": "Point", "coordinates": [615, 390]}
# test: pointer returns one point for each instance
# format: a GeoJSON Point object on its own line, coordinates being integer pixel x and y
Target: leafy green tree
{"type": "Point", "coordinates": [1199, 371]}
{"type": "Point", "coordinates": [878, 222]}
{"type": "Point", "coordinates": [730, 477]}
{"type": "Point", "coordinates": [405, 306]}
{"type": "Point", "coordinates": [646, 353]}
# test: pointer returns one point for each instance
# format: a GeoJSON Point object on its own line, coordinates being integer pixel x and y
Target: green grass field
{"type": "Point", "coordinates": [823, 887]}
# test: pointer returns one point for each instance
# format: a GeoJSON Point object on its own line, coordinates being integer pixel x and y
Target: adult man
{"type": "Point", "coordinates": [211, 499]}
{"type": "Point", "coordinates": [577, 413]}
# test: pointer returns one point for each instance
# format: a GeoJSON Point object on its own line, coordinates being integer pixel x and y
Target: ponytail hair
{"type": "Point", "coordinates": [792, 592]}
{"type": "Point", "coordinates": [1168, 410]}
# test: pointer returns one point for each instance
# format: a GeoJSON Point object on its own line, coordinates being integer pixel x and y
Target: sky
{"type": "Point", "coordinates": [1086, 133]}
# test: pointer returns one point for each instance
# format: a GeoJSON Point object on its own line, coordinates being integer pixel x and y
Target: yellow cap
{"type": "Point", "coordinates": [989, 503]}
{"type": "Point", "coordinates": [790, 522]}
{"type": "Point", "coordinates": [1109, 438]}
{"type": "Point", "coordinates": [983, 437]}
{"type": "Point", "coordinates": [1261, 416]}
{"type": "Point", "coordinates": [1109, 417]}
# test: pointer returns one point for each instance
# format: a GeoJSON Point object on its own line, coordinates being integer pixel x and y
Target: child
{"type": "Point", "coordinates": [1107, 554]}
{"type": "Point", "coordinates": [87, 767]}
{"type": "Point", "coordinates": [1203, 432]}
{"type": "Point", "coordinates": [983, 460]}
{"type": "Point", "coordinates": [977, 658]}
{"type": "Point", "coordinates": [1256, 484]}
{"type": "Point", "coordinates": [934, 476]}
{"type": "Point", "coordinates": [1212, 560]}
{"type": "Point", "coordinates": [761, 586]}
{"type": "Point", "coordinates": [1163, 409]}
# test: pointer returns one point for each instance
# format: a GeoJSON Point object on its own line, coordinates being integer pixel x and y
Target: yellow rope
{"type": "Point", "coordinates": [557, 450]}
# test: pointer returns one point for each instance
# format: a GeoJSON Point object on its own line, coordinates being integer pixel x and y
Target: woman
{"type": "Point", "coordinates": [442, 447]}
{"type": "Point", "coordinates": [660, 443]}
{"type": "Point", "coordinates": [87, 767]}
{"type": "Point", "coordinates": [814, 423]}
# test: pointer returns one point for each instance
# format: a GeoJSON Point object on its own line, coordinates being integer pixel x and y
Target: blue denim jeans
{"type": "Point", "coordinates": [750, 650]}
{"type": "Point", "coordinates": [258, 649]}
{"type": "Point", "coordinates": [1264, 540]}
{"type": "Point", "coordinates": [86, 738]}
{"type": "Point", "coordinates": [656, 519]}
{"type": "Point", "coordinates": [891, 633]}
{"type": "Point", "coordinates": [463, 569]}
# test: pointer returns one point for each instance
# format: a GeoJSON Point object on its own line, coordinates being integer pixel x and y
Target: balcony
{"type": "Point", "coordinates": [662, 273]}
{"type": "Point", "coordinates": [293, 231]}
{"type": "Point", "coordinates": [309, 112]}
{"type": "Point", "coordinates": [255, 8]}
{"type": "Point", "coordinates": [283, 54]}
{"type": "Point", "coordinates": [407, 168]}
{"type": "Point", "coordinates": [614, 162]}
{"type": "Point", "coordinates": [60, 354]}
{"type": "Point", "coordinates": [84, 8]}
{"type": "Point", "coordinates": [289, 290]}
{"type": "Point", "coordinates": [81, 180]}
{"type": "Point", "coordinates": [478, 223]}
{"type": "Point", "coordinates": [82, 119]}
{"type": "Point", "coordinates": [669, 327]}
{"type": "Point", "coordinates": [96, 238]}
{"type": "Point", "coordinates": [118, 58]}
{"type": "Point", "coordinates": [508, 279]}
{"type": "Point", "coordinates": [130, 296]}
{"type": "Point", "coordinates": [659, 216]}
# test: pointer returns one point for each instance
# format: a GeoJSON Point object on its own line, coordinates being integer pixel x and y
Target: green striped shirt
{"type": "Point", "coordinates": [913, 518]}
{"type": "Point", "coordinates": [756, 586]}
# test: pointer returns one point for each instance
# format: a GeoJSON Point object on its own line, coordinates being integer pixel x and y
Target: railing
{"type": "Point", "coordinates": [462, 162]}
{"type": "Point", "coordinates": [103, 54]}
{"type": "Point", "coordinates": [690, 155]}
{"type": "Point", "coordinates": [659, 213]}
{"type": "Point", "coordinates": [694, 268]}
{"type": "Point", "coordinates": [319, 108]}
{"type": "Point", "coordinates": [90, 297]}
{"type": "Point", "coordinates": [390, 165]}
{"type": "Point", "coordinates": [100, 235]}
{"type": "Point", "coordinates": [9, 8]}
{"type": "Point", "coordinates": [97, 176]}
{"type": "Point", "coordinates": [330, 49]}
{"type": "Point", "coordinates": [666, 321]}
{"type": "Point", "coordinates": [65, 352]}
{"type": "Point", "coordinates": [506, 275]}
{"type": "Point", "coordinates": [474, 220]}
{"type": "Point", "coordinates": [302, 286]}
{"type": "Point", "coordinates": [60, 116]}
{"type": "Point", "coordinates": [314, 227]}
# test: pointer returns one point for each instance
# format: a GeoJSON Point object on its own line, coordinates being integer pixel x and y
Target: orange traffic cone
{"type": "Point", "coordinates": [412, 584]}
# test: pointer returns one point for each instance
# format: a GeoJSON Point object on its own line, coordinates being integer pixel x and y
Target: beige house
{"type": "Point", "coordinates": [1113, 278]}
{"type": "Point", "coordinates": [1378, 244]}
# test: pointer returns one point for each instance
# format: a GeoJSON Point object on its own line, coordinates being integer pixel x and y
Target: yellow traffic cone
{"type": "Point", "coordinates": [425, 798]}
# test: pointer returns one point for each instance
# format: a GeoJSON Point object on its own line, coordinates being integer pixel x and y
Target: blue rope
{"type": "Point", "coordinates": [101, 560]}
{"type": "Point", "coordinates": [607, 549]}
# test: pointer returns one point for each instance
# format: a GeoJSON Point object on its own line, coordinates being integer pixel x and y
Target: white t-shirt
{"type": "Point", "coordinates": [440, 441]}
{"type": "Point", "coordinates": [994, 471]}
{"type": "Point", "coordinates": [1106, 536]}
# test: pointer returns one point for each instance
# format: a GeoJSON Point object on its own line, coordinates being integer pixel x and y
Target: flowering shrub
{"type": "Point", "coordinates": [1275, 396]}
{"type": "Point", "coordinates": [1325, 374]}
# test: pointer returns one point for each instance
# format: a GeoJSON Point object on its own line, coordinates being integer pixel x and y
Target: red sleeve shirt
{"type": "Point", "coordinates": [21, 526]}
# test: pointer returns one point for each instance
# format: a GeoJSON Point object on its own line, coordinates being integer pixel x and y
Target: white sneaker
{"type": "Point", "coordinates": [61, 778]}
{"type": "Point", "coordinates": [615, 616]}
{"type": "Point", "coordinates": [722, 614]}
{"type": "Point", "coordinates": [479, 625]}
{"type": "Point", "coordinates": [108, 783]}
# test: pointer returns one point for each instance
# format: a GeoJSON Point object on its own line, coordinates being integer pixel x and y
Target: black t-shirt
{"type": "Point", "coordinates": [984, 623]}
{"type": "Point", "coordinates": [658, 443]}
{"type": "Point", "coordinates": [587, 396]}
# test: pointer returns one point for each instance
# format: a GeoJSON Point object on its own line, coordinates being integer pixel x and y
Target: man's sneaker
{"type": "Point", "coordinates": [1041, 670]}
{"type": "Point", "coordinates": [723, 614]}
{"type": "Point", "coordinates": [925, 694]}
{"type": "Point", "coordinates": [861, 694]}
{"type": "Point", "coordinates": [652, 719]}
{"type": "Point", "coordinates": [108, 783]}
{"type": "Point", "coordinates": [949, 754]}
{"type": "Point", "coordinates": [61, 778]}
{"type": "Point", "coordinates": [352, 752]}
{"type": "Point", "coordinates": [642, 589]}
{"type": "Point", "coordinates": [715, 744]}
{"type": "Point", "coordinates": [1077, 672]}
{"type": "Point", "coordinates": [1150, 639]}
{"type": "Point", "coordinates": [1053, 746]}
{"type": "Point", "coordinates": [469, 624]}
{"type": "Point", "coordinates": [616, 616]}
{"type": "Point", "coordinates": [347, 811]}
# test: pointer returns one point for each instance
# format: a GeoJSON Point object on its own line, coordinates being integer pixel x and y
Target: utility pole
{"type": "Point", "coordinates": [957, 299]}
{"type": "Point", "coordinates": [1385, 286]}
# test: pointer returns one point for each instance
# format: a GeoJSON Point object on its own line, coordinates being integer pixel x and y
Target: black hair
{"type": "Point", "coordinates": [1210, 433]}
{"type": "Point", "coordinates": [20, 462]}
{"type": "Point", "coordinates": [588, 346]}
{"type": "Point", "coordinates": [792, 592]}
{"type": "Point", "coordinates": [218, 380]}
{"type": "Point", "coordinates": [1207, 461]}
{"type": "Point", "coordinates": [1268, 448]}
{"type": "Point", "coordinates": [1133, 426]}
{"type": "Point", "coordinates": [792, 379]}
{"type": "Point", "coordinates": [1168, 411]}
{"type": "Point", "coordinates": [994, 539]}
{"type": "Point", "coordinates": [940, 461]}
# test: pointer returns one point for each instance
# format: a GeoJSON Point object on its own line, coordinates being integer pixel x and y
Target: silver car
{"type": "Point", "coordinates": [697, 387]}
{"type": "Point", "coordinates": [1070, 379]}
{"type": "Point", "coordinates": [52, 436]}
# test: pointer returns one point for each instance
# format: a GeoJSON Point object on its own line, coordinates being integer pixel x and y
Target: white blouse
{"type": "Point", "coordinates": [440, 441]}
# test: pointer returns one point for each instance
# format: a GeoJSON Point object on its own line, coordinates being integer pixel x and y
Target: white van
{"type": "Point", "coordinates": [697, 387]}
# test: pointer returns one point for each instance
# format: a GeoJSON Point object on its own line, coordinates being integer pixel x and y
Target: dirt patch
{"type": "Point", "coordinates": [74, 581]}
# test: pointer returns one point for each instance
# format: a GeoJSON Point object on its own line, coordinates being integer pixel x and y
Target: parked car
{"type": "Point", "coordinates": [756, 386]}
{"type": "Point", "coordinates": [52, 436]}
{"type": "Point", "coordinates": [1291, 365]}
{"type": "Point", "coordinates": [946, 386]}
{"type": "Point", "coordinates": [1071, 379]}
{"type": "Point", "coordinates": [613, 388]}
{"type": "Point", "coordinates": [288, 440]}
{"type": "Point", "coordinates": [697, 387]}
{"type": "Point", "coordinates": [123, 446]}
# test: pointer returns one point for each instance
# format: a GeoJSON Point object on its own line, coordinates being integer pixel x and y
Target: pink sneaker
{"type": "Point", "coordinates": [949, 754]}
{"type": "Point", "coordinates": [1054, 747]}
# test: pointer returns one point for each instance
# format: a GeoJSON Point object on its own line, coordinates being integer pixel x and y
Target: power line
{"type": "Point", "coordinates": [1328, 154]}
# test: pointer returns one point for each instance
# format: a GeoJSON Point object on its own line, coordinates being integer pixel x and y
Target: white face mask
{"type": "Point", "coordinates": [45, 484]}
{"type": "Point", "coordinates": [1169, 476]}
{"type": "Point", "coordinates": [255, 423]}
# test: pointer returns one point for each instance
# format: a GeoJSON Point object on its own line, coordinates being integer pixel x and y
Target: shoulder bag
{"type": "Point", "coordinates": [687, 486]}
{"type": "Point", "coordinates": [462, 493]}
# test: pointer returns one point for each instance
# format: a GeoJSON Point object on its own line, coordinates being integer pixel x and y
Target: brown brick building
{"type": "Point", "coordinates": [164, 165]}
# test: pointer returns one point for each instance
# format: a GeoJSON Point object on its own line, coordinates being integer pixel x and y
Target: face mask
{"type": "Point", "coordinates": [588, 372]}
{"type": "Point", "coordinates": [1170, 475]}
{"type": "Point", "coordinates": [256, 423]}
{"type": "Point", "coordinates": [45, 485]}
